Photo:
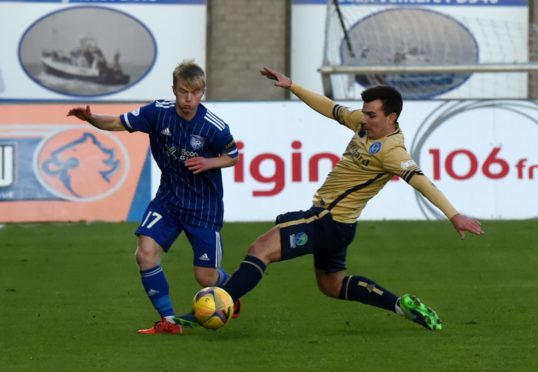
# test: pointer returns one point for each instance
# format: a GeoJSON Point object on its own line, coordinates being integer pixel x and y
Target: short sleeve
{"type": "Point", "coordinates": [348, 117]}
{"type": "Point", "coordinates": [139, 120]}
{"type": "Point", "coordinates": [224, 143]}
{"type": "Point", "coordinates": [398, 161]}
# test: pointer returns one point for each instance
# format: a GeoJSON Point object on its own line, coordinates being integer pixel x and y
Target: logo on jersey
{"type": "Point", "coordinates": [408, 164]}
{"type": "Point", "coordinates": [356, 152]}
{"type": "Point", "coordinates": [166, 132]}
{"type": "Point", "coordinates": [81, 164]}
{"type": "Point", "coordinates": [197, 142]}
{"type": "Point", "coordinates": [374, 149]}
{"type": "Point", "coordinates": [297, 240]}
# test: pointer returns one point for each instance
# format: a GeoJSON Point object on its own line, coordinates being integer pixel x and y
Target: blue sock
{"type": "Point", "coordinates": [156, 286]}
{"type": "Point", "coordinates": [245, 278]}
{"type": "Point", "coordinates": [361, 289]}
{"type": "Point", "coordinates": [222, 277]}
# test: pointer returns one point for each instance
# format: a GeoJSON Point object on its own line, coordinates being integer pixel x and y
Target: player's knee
{"type": "Point", "coordinates": [330, 287]}
{"type": "Point", "coordinates": [205, 282]}
{"type": "Point", "coordinates": [147, 256]}
{"type": "Point", "coordinates": [266, 247]}
{"type": "Point", "coordinates": [206, 277]}
{"type": "Point", "coordinates": [329, 291]}
{"type": "Point", "coordinates": [263, 252]}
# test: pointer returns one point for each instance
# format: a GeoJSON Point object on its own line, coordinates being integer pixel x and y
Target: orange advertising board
{"type": "Point", "coordinates": [57, 168]}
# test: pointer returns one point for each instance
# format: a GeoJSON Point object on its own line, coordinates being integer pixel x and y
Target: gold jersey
{"type": "Point", "coordinates": [364, 169]}
{"type": "Point", "coordinates": [366, 165]}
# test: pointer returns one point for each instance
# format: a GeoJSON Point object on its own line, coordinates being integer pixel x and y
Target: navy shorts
{"type": "Point", "coordinates": [315, 232]}
{"type": "Point", "coordinates": [162, 227]}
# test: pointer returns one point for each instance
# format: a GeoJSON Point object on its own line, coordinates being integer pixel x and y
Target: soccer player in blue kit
{"type": "Point", "coordinates": [190, 144]}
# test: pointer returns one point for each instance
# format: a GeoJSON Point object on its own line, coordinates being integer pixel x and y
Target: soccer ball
{"type": "Point", "coordinates": [212, 307]}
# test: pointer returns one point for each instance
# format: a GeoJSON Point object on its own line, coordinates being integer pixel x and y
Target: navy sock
{"type": "Point", "coordinates": [361, 289]}
{"type": "Point", "coordinates": [245, 278]}
{"type": "Point", "coordinates": [156, 286]}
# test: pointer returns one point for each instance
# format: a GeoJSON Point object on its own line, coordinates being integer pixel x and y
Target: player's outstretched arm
{"type": "Point", "coordinates": [104, 122]}
{"type": "Point", "coordinates": [463, 223]}
{"type": "Point", "coordinates": [460, 222]}
{"type": "Point", "coordinates": [281, 80]}
{"type": "Point", "coordinates": [317, 102]}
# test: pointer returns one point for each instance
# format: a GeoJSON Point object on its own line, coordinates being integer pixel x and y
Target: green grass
{"type": "Point", "coordinates": [71, 300]}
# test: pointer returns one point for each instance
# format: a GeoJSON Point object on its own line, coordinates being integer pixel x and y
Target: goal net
{"type": "Point", "coordinates": [429, 52]}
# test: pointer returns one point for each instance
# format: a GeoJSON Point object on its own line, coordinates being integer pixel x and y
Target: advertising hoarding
{"type": "Point", "coordinates": [103, 50]}
{"type": "Point", "coordinates": [480, 154]}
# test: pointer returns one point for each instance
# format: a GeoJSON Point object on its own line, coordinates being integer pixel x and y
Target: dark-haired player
{"type": "Point", "coordinates": [190, 144]}
{"type": "Point", "coordinates": [374, 155]}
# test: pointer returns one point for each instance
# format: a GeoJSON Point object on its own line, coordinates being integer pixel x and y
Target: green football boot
{"type": "Point", "coordinates": [186, 320]}
{"type": "Point", "coordinates": [419, 313]}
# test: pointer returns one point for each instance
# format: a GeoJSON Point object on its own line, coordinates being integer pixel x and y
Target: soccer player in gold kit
{"type": "Point", "coordinates": [374, 155]}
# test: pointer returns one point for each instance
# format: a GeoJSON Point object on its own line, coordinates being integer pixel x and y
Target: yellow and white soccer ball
{"type": "Point", "coordinates": [212, 307]}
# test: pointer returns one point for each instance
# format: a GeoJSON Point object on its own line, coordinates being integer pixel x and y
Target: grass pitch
{"type": "Point", "coordinates": [71, 300]}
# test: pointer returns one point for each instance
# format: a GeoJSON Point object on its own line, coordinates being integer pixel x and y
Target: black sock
{"type": "Point", "coordinates": [245, 278]}
{"type": "Point", "coordinates": [358, 288]}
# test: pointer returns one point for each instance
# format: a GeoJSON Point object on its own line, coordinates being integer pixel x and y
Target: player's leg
{"type": "Point", "coordinates": [355, 288]}
{"type": "Point", "coordinates": [156, 233]}
{"type": "Point", "coordinates": [332, 281]}
{"type": "Point", "coordinates": [264, 250]}
{"type": "Point", "coordinates": [330, 265]}
{"type": "Point", "coordinates": [208, 251]}
{"type": "Point", "coordinates": [294, 235]}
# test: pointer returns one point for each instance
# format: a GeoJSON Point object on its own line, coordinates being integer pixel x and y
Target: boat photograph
{"type": "Point", "coordinates": [87, 51]}
{"type": "Point", "coordinates": [86, 63]}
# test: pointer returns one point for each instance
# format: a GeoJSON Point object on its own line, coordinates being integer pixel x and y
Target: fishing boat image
{"type": "Point", "coordinates": [86, 63]}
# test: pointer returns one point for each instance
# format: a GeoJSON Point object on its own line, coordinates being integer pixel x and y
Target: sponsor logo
{"type": "Point", "coordinates": [171, 151]}
{"type": "Point", "coordinates": [204, 257]}
{"type": "Point", "coordinates": [81, 164]}
{"type": "Point", "coordinates": [166, 132]}
{"type": "Point", "coordinates": [299, 239]}
{"type": "Point", "coordinates": [153, 292]}
{"type": "Point", "coordinates": [408, 164]}
{"type": "Point", "coordinates": [501, 168]}
{"type": "Point", "coordinates": [358, 156]}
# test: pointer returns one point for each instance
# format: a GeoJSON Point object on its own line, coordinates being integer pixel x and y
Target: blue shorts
{"type": "Point", "coordinates": [315, 232]}
{"type": "Point", "coordinates": [160, 225]}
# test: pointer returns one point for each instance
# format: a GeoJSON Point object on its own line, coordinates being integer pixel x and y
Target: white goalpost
{"type": "Point", "coordinates": [429, 52]}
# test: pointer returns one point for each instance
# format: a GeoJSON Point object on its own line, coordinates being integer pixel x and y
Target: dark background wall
{"type": "Point", "coordinates": [242, 37]}
{"type": "Point", "coordinates": [245, 35]}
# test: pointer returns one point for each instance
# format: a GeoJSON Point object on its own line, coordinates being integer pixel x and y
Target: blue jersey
{"type": "Point", "coordinates": [194, 199]}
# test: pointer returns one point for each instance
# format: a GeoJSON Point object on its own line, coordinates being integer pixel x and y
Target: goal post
{"type": "Point", "coordinates": [429, 52]}
{"type": "Point", "coordinates": [377, 74]}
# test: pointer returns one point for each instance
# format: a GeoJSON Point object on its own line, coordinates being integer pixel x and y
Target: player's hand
{"type": "Point", "coordinates": [463, 223]}
{"type": "Point", "coordinates": [281, 80]}
{"type": "Point", "coordinates": [198, 164]}
{"type": "Point", "coordinates": [83, 113]}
